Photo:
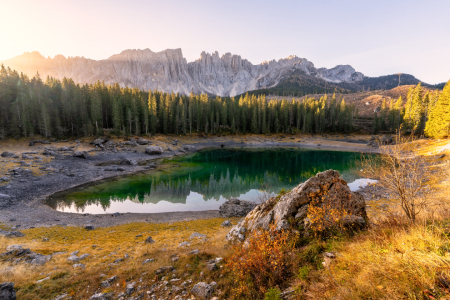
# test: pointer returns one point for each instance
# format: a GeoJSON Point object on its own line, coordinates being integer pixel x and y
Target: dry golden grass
{"type": "Point", "coordinates": [111, 243]}
{"type": "Point", "coordinates": [393, 260]}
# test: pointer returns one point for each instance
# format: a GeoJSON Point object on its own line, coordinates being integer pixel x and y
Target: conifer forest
{"type": "Point", "coordinates": [61, 108]}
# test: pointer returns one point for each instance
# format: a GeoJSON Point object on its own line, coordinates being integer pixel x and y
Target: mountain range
{"type": "Point", "coordinates": [226, 75]}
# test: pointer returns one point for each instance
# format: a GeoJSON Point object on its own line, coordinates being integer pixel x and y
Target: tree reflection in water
{"type": "Point", "coordinates": [212, 173]}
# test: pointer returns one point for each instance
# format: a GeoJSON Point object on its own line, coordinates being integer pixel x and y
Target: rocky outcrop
{"type": "Point", "coordinates": [236, 208]}
{"type": "Point", "coordinates": [290, 210]}
{"type": "Point", "coordinates": [168, 71]}
{"type": "Point", "coordinates": [7, 291]}
{"type": "Point", "coordinates": [18, 254]}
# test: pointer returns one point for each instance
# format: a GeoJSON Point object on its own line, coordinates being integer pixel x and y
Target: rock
{"type": "Point", "coordinates": [14, 247]}
{"type": "Point", "coordinates": [89, 227]}
{"type": "Point", "coordinates": [142, 141]}
{"type": "Point", "coordinates": [74, 252]}
{"type": "Point", "coordinates": [50, 152]}
{"type": "Point", "coordinates": [27, 256]}
{"type": "Point", "coordinates": [13, 234]}
{"type": "Point", "coordinates": [182, 244]}
{"type": "Point", "coordinates": [4, 178]}
{"type": "Point", "coordinates": [328, 258]}
{"type": "Point", "coordinates": [203, 290]}
{"type": "Point", "coordinates": [163, 270]}
{"type": "Point", "coordinates": [197, 235]}
{"type": "Point", "coordinates": [226, 223]}
{"type": "Point", "coordinates": [237, 232]}
{"type": "Point", "coordinates": [386, 140]}
{"type": "Point", "coordinates": [42, 280]}
{"type": "Point", "coordinates": [98, 142]}
{"type": "Point", "coordinates": [188, 148]}
{"type": "Point", "coordinates": [81, 154]}
{"type": "Point", "coordinates": [7, 291]}
{"type": "Point", "coordinates": [149, 240]}
{"type": "Point", "coordinates": [7, 154]}
{"type": "Point", "coordinates": [25, 156]}
{"type": "Point", "coordinates": [236, 208]}
{"type": "Point", "coordinates": [128, 161]}
{"type": "Point", "coordinates": [25, 164]}
{"type": "Point", "coordinates": [154, 150]}
{"type": "Point", "coordinates": [193, 252]}
{"type": "Point", "coordinates": [79, 266]}
{"type": "Point", "coordinates": [148, 261]}
{"type": "Point", "coordinates": [73, 258]}
{"type": "Point", "coordinates": [84, 256]}
{"type": "Point", "coordinates": [325, 187]}
{"type": "Point", "coordinates": [211, 266]}
{"type": "Point", "coordinates": [64, 149]}
{"type": "Point", "coordinates": [130, 288]}
{"type": "Point", "coordinates": [21, 172]}
{"type": "Point", "coordinates": [102, 296]}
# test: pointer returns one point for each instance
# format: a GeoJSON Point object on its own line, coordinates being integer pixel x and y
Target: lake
{"type": "Point", "coordinates": [204, 180]}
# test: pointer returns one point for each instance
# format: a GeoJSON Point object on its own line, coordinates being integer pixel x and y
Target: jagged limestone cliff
{"type": "Point", "coordinates": [168, 71]}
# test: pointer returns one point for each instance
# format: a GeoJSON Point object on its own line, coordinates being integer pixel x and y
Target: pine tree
{"type": "Point", "coordinates": [438, 124]}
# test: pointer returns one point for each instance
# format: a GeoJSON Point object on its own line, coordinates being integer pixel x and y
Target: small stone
{"type": "Point", "coordinates": [183, 244]}
{"type": "Point", "coordinates": [73, 258]}
{"type": "Point", "coordinates": [42, 280]}
{"type": "Point", "coordinates": [148, 261]}
{"type": "Point", "coordinates": [226, 223]}
{"type": "Point", "coordinates": [14, 247]}
{"type": "Point", "coordinates": [203, 290]}
{"type": "Point", "coordinates": [89, 227]}
{"type": "Point", "coordinates": [149, 240]}
{"type": "Point", "coordinates": [130, 288]}
{"type": "Point", "coordinates": [79, 266]}
{"type": "Point", "coordinates": [197, 235]}
{"type": "Point", "coordinates": [211, 267]}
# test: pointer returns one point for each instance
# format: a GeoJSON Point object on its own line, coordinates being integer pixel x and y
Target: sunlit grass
{"type": "Point", "coordinates": [104, 246]}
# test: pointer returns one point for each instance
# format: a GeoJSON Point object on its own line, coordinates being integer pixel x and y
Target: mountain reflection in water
{"type": "Point", "coordinates": [202, 181]}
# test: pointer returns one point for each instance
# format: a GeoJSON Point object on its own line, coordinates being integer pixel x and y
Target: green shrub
{"type": "Point", "coordinates": [273, 294]}
{"type": "Point", "coordinates": [303, 272]}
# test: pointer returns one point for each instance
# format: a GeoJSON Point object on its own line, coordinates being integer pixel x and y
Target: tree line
{"type": "Point", "coordinates": [425, 113]}
{"type": "Point", "coordinates": [62, 108]}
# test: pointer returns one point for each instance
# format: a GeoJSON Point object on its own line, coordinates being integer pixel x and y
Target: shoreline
{"type": "Point", "coordinates": [23, 207]}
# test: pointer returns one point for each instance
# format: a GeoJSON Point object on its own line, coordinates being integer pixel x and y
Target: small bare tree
{"type": "Point", "coordinates": [411, 179]}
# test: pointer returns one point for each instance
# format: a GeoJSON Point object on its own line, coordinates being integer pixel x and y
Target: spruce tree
{"type": "Point", "coordinates": [438, 124]}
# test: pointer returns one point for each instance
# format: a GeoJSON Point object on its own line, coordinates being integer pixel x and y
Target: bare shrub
{"type": "Point", "coordinates": [412, 179]}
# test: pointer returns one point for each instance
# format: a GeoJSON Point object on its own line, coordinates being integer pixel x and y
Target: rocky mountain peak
{"type": "Point", "coordinates": [168, 71]}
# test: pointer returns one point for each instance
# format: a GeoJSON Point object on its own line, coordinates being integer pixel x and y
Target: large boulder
{"type": "Point", "coordinates": [154, 150]}
{"type": "Point", "coordinates": [7, 291]}
{"type": "Point", "coordinates": [236, 208]}
{"type": "Point", "coordinates": [290, 210]}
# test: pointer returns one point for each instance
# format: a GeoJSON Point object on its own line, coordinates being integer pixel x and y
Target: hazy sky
{"type": "Point", "coordinates": [375, 37]}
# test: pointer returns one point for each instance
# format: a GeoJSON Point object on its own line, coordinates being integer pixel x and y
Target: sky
{"type": "Point", "coordinates": [375, 37]}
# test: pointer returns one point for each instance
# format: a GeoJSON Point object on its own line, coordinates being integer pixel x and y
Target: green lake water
{"type": "Point", "coordinates": [204, 180]}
